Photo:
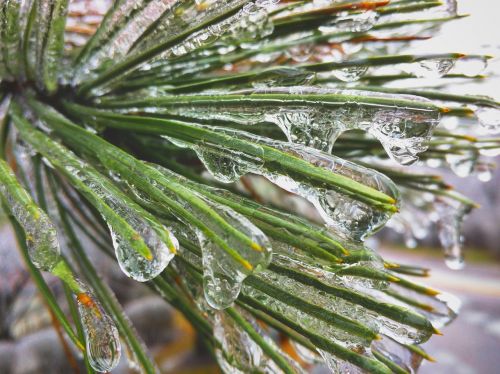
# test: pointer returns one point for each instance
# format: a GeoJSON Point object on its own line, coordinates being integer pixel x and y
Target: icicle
{"type": "Point", "coordinates": [402, 129]}
{"type": "Point", "coordinates": [451, 215]}
{"type": "Point", "coordinates": [222, 273]}
{"type": "Point", "coordinates": [343, 214]}
{"type": "Point", "coordinates": [489, 118]}
{"type": "Point", "coordinates": [101, 335]}
{"type": "Point", "coordinates": [222, 276]}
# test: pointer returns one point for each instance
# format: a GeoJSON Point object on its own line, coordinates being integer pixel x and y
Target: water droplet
{"type": "Point", "coordinates": [135, 265]}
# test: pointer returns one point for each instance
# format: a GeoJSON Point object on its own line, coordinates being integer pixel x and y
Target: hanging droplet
{"type": "Point", "coordinates": [484, 171]}
{"type": "Point", "coordinates": [160, 244]}
{"type": "Point", "coordinates": [451, 216]}
{"type": "Point", "coordinates": [489, 118]}
{"type": "Point", "coordinates": [352, 22]}
{"type": "Point", "coordinates": [235, 248]}
{"type": "Point", "coordinates": [133, 264]}
{"type": "Point", "coordinates": [300, 53]}
{"type": "Point", "coordinates": [431, 68]}
{"type": "Point", "coordinates": [222, 274]}
{"type": "Point", "coordinates": [350, 74]}
{"type": "Point", "coordinates": [403, 127]}
{"type": "Point", "coordinates": [463, 163]}
{"type": "Point", "coordinates": [101, 335]}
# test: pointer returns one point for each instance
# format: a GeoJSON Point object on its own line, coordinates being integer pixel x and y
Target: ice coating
{"type": "Point", "coordinates": [344, 307]}
{"type": "Point", "coordinates": [402, 123]}
{"type": "Point", "coordinates": [143, 246]}
{"type": "Point", "coordinates": [161, 244]}
{"type": "Point", "coordinates": [430, 68]}
{"type": "Point", "coordinates": [222, 274]}
{"type": "Point", "coordinates": [397, 353]}
{"type": "Point", "coordinates": [489, 118]}
{"type": "Point", "coordinates": [353, 22]}
{"type": "Point", "coordinates": [41, 235]}
{"type": "Point", "coordinates": [249, 24]}
{"type": "Point", "coordinates": [343, 214]}
{"type": "Point", "coordinates": [238, 352]}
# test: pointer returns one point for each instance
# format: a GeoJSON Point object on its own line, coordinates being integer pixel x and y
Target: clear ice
{"type": "Point", "coordinates": [41, 235]}
{"type": "Point", "coordinates": [451, 216]}
{"type": "Point", "coordinates": [223, 274]}
{"type": "Point", "coordinates": [402, 123]}
{"type": "Point", "coordinates": [101, 335]}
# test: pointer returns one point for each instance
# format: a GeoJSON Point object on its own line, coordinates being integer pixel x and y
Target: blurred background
{"type": "Point", "coordinates": [29, 341]}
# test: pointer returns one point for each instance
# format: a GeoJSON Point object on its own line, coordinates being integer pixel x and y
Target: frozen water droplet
{"type": "Point", "coordinates": [300, 53]}
{"type": "Point", "coordinates": [350, 74]}
{"type": "Point", "coordinates": [161, 244]}
{"type": "Point", "coordinates": [353, 22]}
{"type": "Point", "coordinates": [431, 68]}
{"type": "Point", "coordinates": [462, 164]}
{"type": "Point", "coordinates": [232, 247]}
{"type": "Point", "coordinates": [489, 118]}
{"type": "Point", "coordinates": [470, 66]}
{"type": "Point", "coordinates": [222, 275]}
{"type": "Point", "coordinates": [484, 172]}
{"type": "Point", "coordinates": [101, 335]}
{"type": "Point", "coordinates": [402, 129]}
{"type": "Point", "coordinates": [135, 265]}
{"type": "Point", "coordinates": [454, 259]}
{"type": "Point", "coordinates": [41, 235]}
{"type": "Point", "coordinates": [451, 216]}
